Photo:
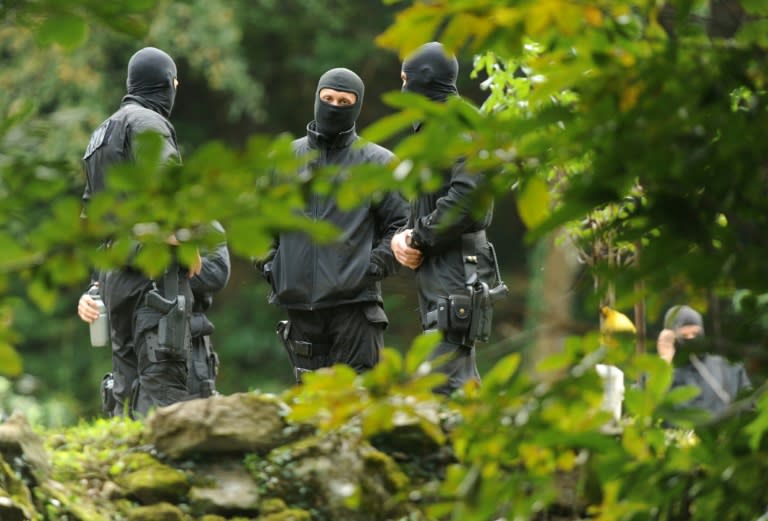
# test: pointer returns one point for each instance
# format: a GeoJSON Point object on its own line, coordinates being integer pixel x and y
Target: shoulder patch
{"type": "Point", "coordinates": [99, 138]}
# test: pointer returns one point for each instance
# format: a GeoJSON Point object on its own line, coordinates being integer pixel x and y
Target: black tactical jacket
{"type": "Point", "coordinates": [730, 379]}
{"type": "Point", "coordinates": [113, 142]}
{"type": "Point", "coordinates": [308, 276]}
{"type": "Point", "coordinates": [439, 221]}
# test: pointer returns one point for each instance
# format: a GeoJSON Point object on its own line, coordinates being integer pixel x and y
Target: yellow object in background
{"type": "Point", "coordinates": [615, 322]}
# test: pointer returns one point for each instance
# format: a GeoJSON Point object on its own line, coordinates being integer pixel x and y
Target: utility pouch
{"type": "Point", "coordinates": [482, 297]}
{"type": "Point", "coordinates": [200, 326]}
{"type": "Point", "coordinates": [158, 353]}
{"type": "Point", "coordinates": [171, 330]}
{"type": "Point", "coordinates": [454, 314]}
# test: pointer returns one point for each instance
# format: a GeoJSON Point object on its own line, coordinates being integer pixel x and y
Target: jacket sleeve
{"type": "Point", "coordinates": [154, 123]}
{"type": "Point", "coordinates": [215, 271]}
{"type": "Point", "coordinates": [455, 212]}
{"type": "Point", "coordinates": [391, 216]}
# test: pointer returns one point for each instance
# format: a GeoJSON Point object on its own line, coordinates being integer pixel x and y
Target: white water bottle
{"type": "Point", "coordinates": [100, 326]}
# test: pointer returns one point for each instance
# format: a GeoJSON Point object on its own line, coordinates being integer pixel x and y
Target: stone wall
{"type": "Point", "coordinates": [222, 458]}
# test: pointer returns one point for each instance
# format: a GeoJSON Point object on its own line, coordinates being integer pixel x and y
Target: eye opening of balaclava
{"type": "Point", "coordinates": [431, 72]}
{"type": "Point", "coordinates": [150, 81]}
{"type": "Point", "coordinates": [332, 120]}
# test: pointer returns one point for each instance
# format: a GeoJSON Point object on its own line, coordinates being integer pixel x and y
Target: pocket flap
{"type": "Point", "coordinates": [374, 313]}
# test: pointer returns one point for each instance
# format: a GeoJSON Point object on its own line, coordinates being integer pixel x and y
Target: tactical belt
{"type": "Point", "coordinates": [469, 242]}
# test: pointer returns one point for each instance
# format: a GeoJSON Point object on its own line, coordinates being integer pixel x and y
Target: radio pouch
{"type": "Point", "coordinates": [454, 314]}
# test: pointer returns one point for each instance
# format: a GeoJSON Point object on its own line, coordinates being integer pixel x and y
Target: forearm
{"type": "Point", "coordinates": [392, 216]}
{"type": "Point", "coordinates": [463, 208]}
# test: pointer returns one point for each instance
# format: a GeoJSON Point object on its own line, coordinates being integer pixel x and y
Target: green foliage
{"type": "Point", "coordinates": [92, 447]}
{"type": "Point", "coordinates": [384, 397]}
{"type": "Point", "coordinates": [615, 100]}
{"type": "Point", "coordinates": [599, 102]}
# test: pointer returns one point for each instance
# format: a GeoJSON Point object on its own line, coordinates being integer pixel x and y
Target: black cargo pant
{"type": "Point", "coordinates": [162, 374]}
{"type": "Point", "coordinates": [438, 277]}
{"type": "Point", "coordinates": [457, 362]}
{"type": "Point", "coordinates": [144, 375]}
{"type": "Point", "coordinates": [116, 395]}
{"type": "Point", "coordinates": [354, 334]}
{"type": "Point", "coordinates": [202, 368]}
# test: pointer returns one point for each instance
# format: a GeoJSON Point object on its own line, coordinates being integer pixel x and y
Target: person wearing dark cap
{"type": "Point", "coordinates": [445, 240]}
{"type": "Point", "coordinates": [331, 292]}
{"type": "Point", "coordinates": [682, 342]}
{"type": "Point", "coordinates": [144, 373]}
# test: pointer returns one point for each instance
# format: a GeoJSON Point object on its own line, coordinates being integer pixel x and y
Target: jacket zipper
{"type": "Point", "coordinates": [313, 212]}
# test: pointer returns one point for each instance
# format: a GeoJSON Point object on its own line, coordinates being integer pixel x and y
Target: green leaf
{"type": "Point", "coordinates": [680, 395]}
{"type": "Point", "coordinates": [41, 294]}
{"type": "Point", "coordinates": [756, 429]}
{"type": "Point", "coordinates": [247, 236]}
{"type": "Point", "coordinates": [421, 347]}
{"type": "Point", "coordinates": [533, 203]}
{"type": "Point", "coordinates": [556, 362]}
{"type": "Point", "coordinates": [378, 418]}
{"type": "Point", "coordinates": [153, 258]}
{"type": "Point", "coordinates": [659, 375]}
{"type": "Point", "coordinates": [387, 127]}
{"type": "Point", "coordinates": [10, 361]}
{"type": "Point", "coordinates": [755, 7]}
{"type": "Point", "coordinates": [502, 372]}
{"type": "Point", "coordinates": [14, 256]}
{"type": "Point", "coordinates": [67, 30]}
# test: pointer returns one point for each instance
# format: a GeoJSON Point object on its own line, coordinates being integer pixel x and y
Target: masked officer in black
{"type": "Point", "coordinates": [149, 319]}
{"type": "Point", "coordinates": [203, 363]}
{"type": "Point", "coordinates": [683, 343]}
{"type": "Point", "coordinates": [331, 291]}
{"type": "Point", "coordinates": [445, 240]}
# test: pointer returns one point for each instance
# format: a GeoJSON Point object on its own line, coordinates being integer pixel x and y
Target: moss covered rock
{"type": "Point", "coordinates": [154, 483]}
{"type": "Point", "coordinates": [335, 476]}
{"type": "Point", "coordinates": [9, 510]}
{"type": "Point", "coordinates": [247, 422]}
{"type": "Point", "coordinates": [158, 512]}
{"type": "Point", "coordinates": [227, 489]}
{"type": "Point", "coordinates": [292, 514]}
{"type": "Point", "coordinates": [15, 497]}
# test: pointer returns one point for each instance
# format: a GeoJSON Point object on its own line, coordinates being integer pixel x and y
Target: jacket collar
{"type": "Point", "coordinates": [318, 140]}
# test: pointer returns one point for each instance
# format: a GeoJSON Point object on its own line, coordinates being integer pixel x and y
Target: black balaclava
{"type": "Point", "coordinates": [679, 316]}
{"type": "Point", "coordinates": [150, 80]}
{"type": "Point", "coordinates": [332, 120]}
{"type": "Point", "coordinates": [431, 72]}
